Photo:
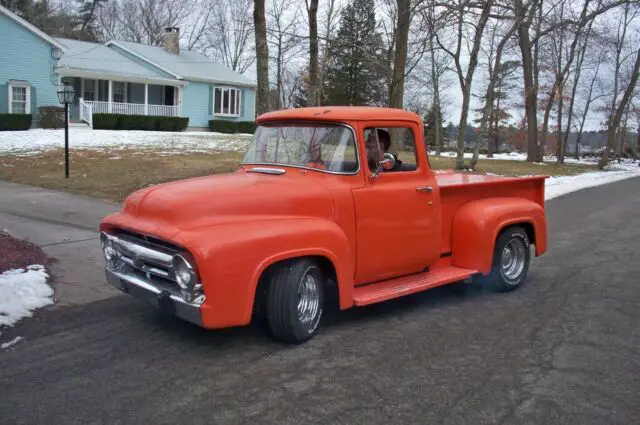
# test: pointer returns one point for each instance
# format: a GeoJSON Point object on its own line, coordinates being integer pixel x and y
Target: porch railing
{"type": "Point", "coordinates": [90, 107]}
{"type": "Point", "coordinates": [86, 112]}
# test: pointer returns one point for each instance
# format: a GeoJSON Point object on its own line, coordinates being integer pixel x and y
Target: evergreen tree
{"type": "Point", "coordinates": [356, 74]}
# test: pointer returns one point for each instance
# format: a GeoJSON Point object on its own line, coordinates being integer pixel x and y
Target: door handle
{"type": "Point", "coordinates": [424, 189]}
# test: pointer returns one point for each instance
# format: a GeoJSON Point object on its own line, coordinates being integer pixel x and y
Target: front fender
{"type": "Point", "coordinates": [231, 258]}
{"type": "Point", "coordinates": [477, 224]}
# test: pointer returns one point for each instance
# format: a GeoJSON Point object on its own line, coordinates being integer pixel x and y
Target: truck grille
{"type": "Point", "coordinates": [145, 257]}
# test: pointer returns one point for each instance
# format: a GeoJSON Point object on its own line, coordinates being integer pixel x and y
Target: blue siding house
{"type": "Point", "coordinates": [117, 77]}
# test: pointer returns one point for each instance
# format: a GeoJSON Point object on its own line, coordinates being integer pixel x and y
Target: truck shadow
{"type": "Point", "coordinates": [435, 298]}
{"type": "Point", "coordinates": [140, 322]}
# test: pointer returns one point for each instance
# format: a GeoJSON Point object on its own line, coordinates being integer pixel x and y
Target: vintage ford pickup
{"type": "Point", "coordinates": [328, 200]}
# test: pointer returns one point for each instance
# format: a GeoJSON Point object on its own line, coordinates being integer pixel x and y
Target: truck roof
{"type": "Point", "coordinates": [340, 113]}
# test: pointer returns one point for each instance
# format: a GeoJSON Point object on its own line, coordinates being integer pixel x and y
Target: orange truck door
{"type": "Point", "coordinates": [397, 212]}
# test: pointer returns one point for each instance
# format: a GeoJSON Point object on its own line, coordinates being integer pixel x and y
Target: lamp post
{"type": "Point", "coordinates": [66, 95]}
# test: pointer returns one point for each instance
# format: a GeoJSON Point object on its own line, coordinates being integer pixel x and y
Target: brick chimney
{"type": "Point", "coordinates": [172, 40]}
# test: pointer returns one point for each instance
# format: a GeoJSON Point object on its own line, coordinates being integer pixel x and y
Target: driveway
{"type": "Point", "coordinates": [563, 349]}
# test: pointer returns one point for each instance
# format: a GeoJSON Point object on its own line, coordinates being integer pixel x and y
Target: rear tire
{"type": "Point", "coordinates": [295, 300]}
{"type": "Point", "coordinates": [511, 259]}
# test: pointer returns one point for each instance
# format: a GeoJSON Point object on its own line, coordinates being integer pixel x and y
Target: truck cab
{"type": "Point", "coordinates": [327, 200]}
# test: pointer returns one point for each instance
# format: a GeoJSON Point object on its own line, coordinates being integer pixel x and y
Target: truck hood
{"type": "Point", "coordinates": [199, 202]}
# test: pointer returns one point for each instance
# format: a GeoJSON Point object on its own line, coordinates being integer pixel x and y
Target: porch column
{"type": "Point", "coordinates": [110, 95]}
{"type": "Point", "coordinates": [146, 99]}
{"type": "Point", "coordinates": [180, 94]}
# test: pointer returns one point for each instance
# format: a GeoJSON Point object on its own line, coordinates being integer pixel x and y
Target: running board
{"type": "Point", "coordinates": [399, 287]}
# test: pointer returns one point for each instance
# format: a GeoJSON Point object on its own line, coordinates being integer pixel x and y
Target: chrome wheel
{"type": "Point", "coordinates": [308, 298]}
{"type": "Point", "coordinates": [513, 259]}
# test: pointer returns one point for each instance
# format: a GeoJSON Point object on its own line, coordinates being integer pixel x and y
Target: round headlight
{"type": "Point", "coordinates": [107, 248]}
{"type": "Point", "coordinates": [183, 271]}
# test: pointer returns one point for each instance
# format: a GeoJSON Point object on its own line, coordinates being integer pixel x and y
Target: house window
{"type": "Point", "coordinates": [89, 92]}
{"type": "Point", "coordinates": [118, 92]}
{"type": "Point", "coordinates": [226, 101]}
{"type": "Point", "coordinates": [19, 98]}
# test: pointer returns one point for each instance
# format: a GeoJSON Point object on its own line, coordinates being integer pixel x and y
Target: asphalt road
{"type": "Point", "coordinates": [564, 349]}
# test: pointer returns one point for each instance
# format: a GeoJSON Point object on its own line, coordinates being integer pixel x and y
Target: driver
{"type": "Point", "coordinates": [384, 144]}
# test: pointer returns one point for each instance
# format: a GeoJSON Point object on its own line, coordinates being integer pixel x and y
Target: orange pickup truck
{"type": "Point", "coordinates": [329, 203]}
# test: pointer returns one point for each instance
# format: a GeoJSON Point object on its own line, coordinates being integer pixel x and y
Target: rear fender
{"type": "Point", "coordinates": [477, 225]}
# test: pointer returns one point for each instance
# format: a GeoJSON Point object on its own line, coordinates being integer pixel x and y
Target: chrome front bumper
{"type": "Point", "coordinates": [161, 299]}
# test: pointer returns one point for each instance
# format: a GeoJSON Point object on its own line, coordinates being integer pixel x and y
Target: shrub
{"type": "Point", "coordinates": [51, 116]}
{"type": "Point", "coordinates": [10, 122]}
{"type": "Point", "coordinates": [232, 127]}
{"type": "Point", "coordinates": [105, 121]}
{"type": "Point", "coordinates": [139, 122]}
{"type": "Point", "coordinates": [248, 127]}
{"type": "Point", "coordinates": [223, 126]}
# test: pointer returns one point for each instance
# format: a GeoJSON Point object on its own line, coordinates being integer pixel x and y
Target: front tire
{"type": "Point", "coordinates": [295, 300]}
{"type": "Point", "coordinates": [511, 259]}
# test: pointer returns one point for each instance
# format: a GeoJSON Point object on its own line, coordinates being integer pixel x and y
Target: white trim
{"type": "Point", "coordinates": [115, 43]}
{"type": "Point", "coordinates": [222, 114]}
{"type": "Point", "coordinates": [69, 72]}
{"type": "Point", "coordinates": [146, 99]}
{"type": "Point", "coordinates": [222, 82]}
{"type": "Point", "coordinates": [27, 91]}
{"type": "Point", "coordinates": [32, 28]}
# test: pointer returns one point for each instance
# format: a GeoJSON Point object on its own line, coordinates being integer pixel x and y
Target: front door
{"type": "Point", "coordinates": [397, 212]}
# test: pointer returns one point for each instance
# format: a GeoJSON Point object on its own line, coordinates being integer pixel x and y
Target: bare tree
{"type": "Point", "coordinates": [589, 100]}
{"type": "Point", "coordinates": [312, 10]}
{"type": "Point", "coordinates": [494, 64]}
{"type": "Point", "coordinates": [401, 40]}
{"type": "Point", "coordinates": [144, 21]}
{"type": "Point", "coordinates": [262, 53]}
{"type": "Point", "coordinates": [465, 79]}
{"type": "Point", "coordinates": [582, 51]}
{"type": "Point", "coordinates": [618, 108]}
{"type": "Point", "coordinates": [330, 25]}
{"type": "Point", "coordinates": [284, 42]}
{"type": "Point", "coordinates": [561, 71]}
{"type": "Point", "coordinates": [229, 32]}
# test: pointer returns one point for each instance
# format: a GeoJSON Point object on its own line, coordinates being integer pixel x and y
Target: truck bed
{"type": "Point", "coordinates": [457, 189]}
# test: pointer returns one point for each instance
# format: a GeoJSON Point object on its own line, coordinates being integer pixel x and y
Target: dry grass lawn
{"type": "Point", "coordinates": [113, 174]}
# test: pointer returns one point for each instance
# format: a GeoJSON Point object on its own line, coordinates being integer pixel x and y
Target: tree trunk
{"type": "Point", "coordinates": [279, 85]}
{"type": "Point", "coordinates": [494, 76]}
{"type": "Point", "coordinates": [560, 143]}
{"type": "Point", "coordinates": [615, 123]}
{"type": "Point", "coordinates": [581, 54]}
{"type": "Point", "coordinates": [530, 88]}
{"type": "Point", "coordinates": [531, 95]}
{"type": "Point", "coordinates": [314, 95]}
{"type": "Point", "coordinates": [396, 89]}
{"type": "Point", "coordinates": [262, 56]}
{"type": "Point", "coordinates": [493, 148]}
{"type": "Point", "coordinates": [466, 92]}
{"type": "Point", "coordinates": [435, 77]}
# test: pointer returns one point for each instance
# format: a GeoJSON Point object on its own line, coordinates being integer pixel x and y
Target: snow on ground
{"type": "Point", "coordinates": [519, 156]}
{"type": "Point", "coordinates": [14, 341]}
{"type": "Point", "coordinates": [34, 141]}
{"type": "Point", "coordinates": [22, 292]}
{"type": "Point", "coordinates": [558, 186]}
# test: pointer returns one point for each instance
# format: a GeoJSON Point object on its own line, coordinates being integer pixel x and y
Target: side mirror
{"type": "Point", "coordinates": [388, 162]}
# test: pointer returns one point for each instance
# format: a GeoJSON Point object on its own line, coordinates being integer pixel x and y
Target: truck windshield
{"type": "Point", "coordinates": [323, 147]}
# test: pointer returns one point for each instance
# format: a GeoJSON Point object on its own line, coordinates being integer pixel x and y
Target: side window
{"type": "Point", "coordinates": [399, 141]}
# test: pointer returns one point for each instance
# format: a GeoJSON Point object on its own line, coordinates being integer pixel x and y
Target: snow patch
{"type": "Point", "coordinates": [558, 186]}
{"type": "Point", "coordinates": [31, 142]}
{"type": "Point", "coordinates": [14, 341]}
{"type": "Point", "coordinates": [22, 292]}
